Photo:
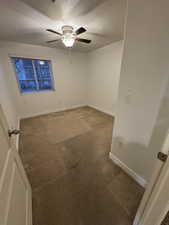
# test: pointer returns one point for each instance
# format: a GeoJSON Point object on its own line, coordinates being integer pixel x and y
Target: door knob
{"type": "Point", "coordinates": [13, 132]}
{"type": "Point", "coordinates": [161, 156]}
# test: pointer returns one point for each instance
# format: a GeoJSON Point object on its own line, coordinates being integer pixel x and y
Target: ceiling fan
{"type": "Point", "coordinates": [69, 36]}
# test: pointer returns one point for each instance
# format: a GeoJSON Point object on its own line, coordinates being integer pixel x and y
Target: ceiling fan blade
{"type": "Point", "coordinates": [55, 32]}
{"type": "Point", "coordinates": [80, 30]}
{"type": "Point", "coordinates": [83, 40]}
{"type": "Point", "coordinates": [52, 41]}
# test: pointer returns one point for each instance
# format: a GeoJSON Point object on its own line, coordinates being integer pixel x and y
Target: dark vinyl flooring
{"type": "Point", "coordinates": [66, 158]}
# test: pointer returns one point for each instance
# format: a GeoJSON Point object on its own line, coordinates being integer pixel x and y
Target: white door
{"type": "Point", "coordinates": [15, 190]}
{"type": "Point", "coordinates": [158, 203]}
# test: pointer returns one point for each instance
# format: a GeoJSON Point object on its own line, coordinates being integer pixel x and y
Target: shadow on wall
{"type": "Point", "coordinates": [138, 157]}
{"type": "Point", "coordinates": [129, 153]}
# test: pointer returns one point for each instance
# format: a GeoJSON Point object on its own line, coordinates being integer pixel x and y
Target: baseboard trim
{"type": "Point", "coordinates": [101, 110]}
{"type": "Point", "coordinates": [64, 109]}
{"type": "Point", "coordinates": [51, 111]}
{"type": "Point", "coordinates": [129, 171]}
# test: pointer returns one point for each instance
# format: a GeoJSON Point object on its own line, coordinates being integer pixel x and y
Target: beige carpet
{"type": "Point", "coordinates": [73, 180]}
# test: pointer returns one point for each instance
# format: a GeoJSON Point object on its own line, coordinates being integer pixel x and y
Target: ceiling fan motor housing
{"type": "Point", "coordinates": [67, 29]}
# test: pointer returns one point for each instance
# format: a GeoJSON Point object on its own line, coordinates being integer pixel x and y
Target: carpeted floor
{"type": "Point", "coordinates": [66, 157]}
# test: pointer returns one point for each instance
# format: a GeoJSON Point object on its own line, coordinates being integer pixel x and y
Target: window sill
{"type": "Point", "coordinates": [36, 92]}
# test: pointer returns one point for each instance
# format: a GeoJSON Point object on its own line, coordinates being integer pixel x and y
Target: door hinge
{"type": "Point", "coordinates": [162, 156]}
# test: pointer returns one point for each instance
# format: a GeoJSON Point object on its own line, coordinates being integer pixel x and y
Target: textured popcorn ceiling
{"type": "Point", "coordinates": [26, 20]}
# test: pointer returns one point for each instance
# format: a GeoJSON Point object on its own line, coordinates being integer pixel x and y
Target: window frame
{"type": "Point", "coordinates": [33, 58]}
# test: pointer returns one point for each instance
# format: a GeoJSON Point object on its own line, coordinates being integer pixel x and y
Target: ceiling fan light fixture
{"type": "Point", "coordinates": [68, 40]}
{"type": "Point", "coordinates": [69, 36]}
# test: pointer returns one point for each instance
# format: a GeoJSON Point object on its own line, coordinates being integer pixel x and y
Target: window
{"type": "Point", "coordinates": [33, 74]}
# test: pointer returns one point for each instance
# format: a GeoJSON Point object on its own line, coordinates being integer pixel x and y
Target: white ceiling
{"type": "Point", "coordinates": [26, 21]}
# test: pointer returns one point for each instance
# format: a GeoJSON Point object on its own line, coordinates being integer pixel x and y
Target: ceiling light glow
{"type": "Point", "coordinates": [68, 40]}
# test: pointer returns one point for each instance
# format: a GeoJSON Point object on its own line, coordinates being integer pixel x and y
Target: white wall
{"type": "Point", "coordinates": [161, 129]}
{"type": "Point", "coordinates": [144, 74]}
{"type": "Point", "coordinates": [80, 78]}
{"type": "Point", "coordinates": [7, 100]}
{"type": "Point", "coordinates": [69, 70]}
{"type": "Point", "coordinates": [103, 77]}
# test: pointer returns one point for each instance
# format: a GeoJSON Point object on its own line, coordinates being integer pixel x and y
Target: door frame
{"type": "Point", "coordinates": [155, 192]}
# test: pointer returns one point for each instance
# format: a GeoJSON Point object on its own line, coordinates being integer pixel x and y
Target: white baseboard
{"type": "Point", "coordinates": [51, 111]}
{"type": "Point", "coordinates": [63, 109]}
{"type": "Point", "coordinates": [102, 110]}
{"type": "Point", "coordinates": [129, 171]}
